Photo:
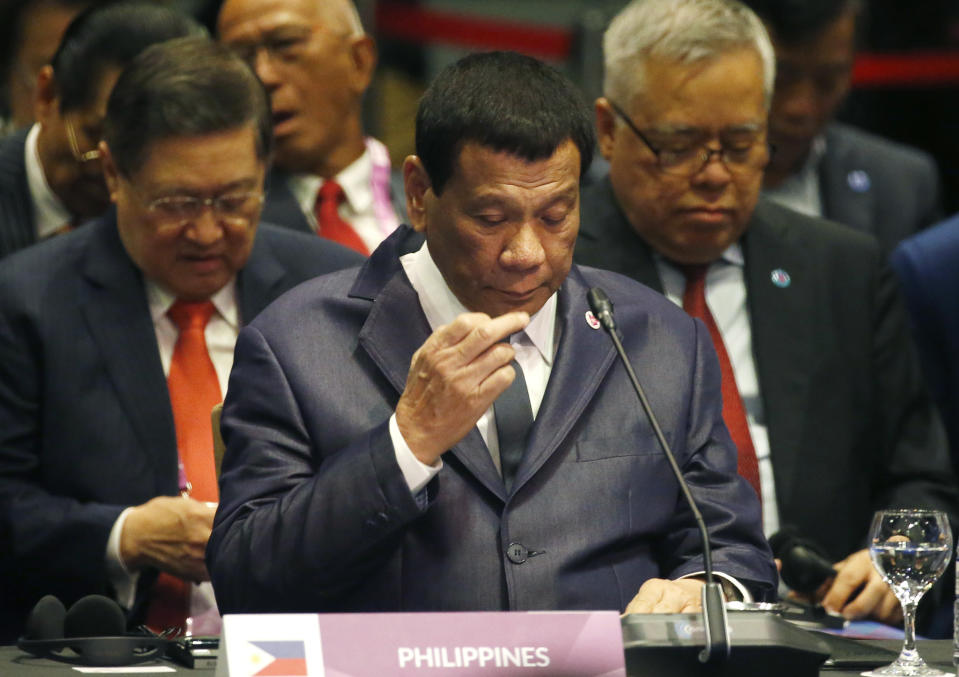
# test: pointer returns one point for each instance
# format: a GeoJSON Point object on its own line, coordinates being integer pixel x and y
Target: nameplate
{"type": "Point", "coordinates": [569, 643]}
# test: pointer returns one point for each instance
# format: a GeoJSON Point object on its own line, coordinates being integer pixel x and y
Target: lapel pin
{"type": "Point", "coordinates": [591, 320]}
{"type": "Point", "coordinates": [780, 278]}
{"type": "Point", "coordinates": [859, 181]}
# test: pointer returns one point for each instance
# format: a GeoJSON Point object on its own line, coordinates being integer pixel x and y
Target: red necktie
{"type": "Point", "coordinates": [734, 413]}
{"type": "Point", "coordinates": [331, 224]}
{"type": "Point", "coordinates": [194, 390]}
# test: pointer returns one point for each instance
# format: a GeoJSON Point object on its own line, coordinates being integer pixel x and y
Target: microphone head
{"type": "Point", "coordinates": [46, 619]}
{"type": "Point", "coordinates": [805, 566]}
{"type": "Point", "coordinates": [602, 307]}
{"type": "Point", "coordinates": [94, 616]}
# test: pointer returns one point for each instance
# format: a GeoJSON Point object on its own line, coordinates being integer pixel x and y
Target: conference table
{"type": "Point", "coordinates": [16, 663]}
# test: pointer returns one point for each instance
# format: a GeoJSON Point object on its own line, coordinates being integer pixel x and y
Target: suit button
{"type": "Point", "coordinates": [517, 553]}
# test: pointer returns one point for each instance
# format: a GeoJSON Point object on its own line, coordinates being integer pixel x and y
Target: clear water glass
{"type": "Point", "coordinates": [910, 549]}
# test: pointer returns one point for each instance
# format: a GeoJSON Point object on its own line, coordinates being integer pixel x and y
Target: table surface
{"type": "Point", "coordinates": [15, 663]}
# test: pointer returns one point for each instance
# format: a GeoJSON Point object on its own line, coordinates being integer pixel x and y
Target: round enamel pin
{"type": "Point", "coordinates": [780, 278]}
{"type": "Point", "coordinates": [591, 320]}
{"type": "Point", "coordinates": [859, 181]}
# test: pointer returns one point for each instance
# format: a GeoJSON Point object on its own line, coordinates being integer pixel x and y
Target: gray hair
{"type": "Point", "coordinates": [682, 31]}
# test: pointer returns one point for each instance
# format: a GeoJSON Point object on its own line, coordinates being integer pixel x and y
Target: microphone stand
{"type": "Point", "coordinates": [714, 609]}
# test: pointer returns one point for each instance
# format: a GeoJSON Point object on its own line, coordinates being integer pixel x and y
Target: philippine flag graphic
{"type": "Point", "coordinates": [278, 658]}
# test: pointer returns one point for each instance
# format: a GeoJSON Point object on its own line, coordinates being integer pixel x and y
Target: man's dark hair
{"type": "Point", "coordinates": [796, 21]}
{"type": "Point", "coordinates": [181, 88]}
{"type": "Point", "coordinates": [504, 101]}
{"type": "Point", "coordinates": [13, 15]}
{"type": "Point", "coordinates": [109, 36]}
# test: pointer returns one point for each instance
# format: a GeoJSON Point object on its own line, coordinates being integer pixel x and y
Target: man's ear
{"type": "Point", "coordinates": [110, 173]}
{"type": "Point", "coordinates": [606, 127]}
{"type": "Point", "coordinates": [46, 102]}
{"type": "Point", "coordinates": [363, 58]}
{"type": "Point", "coordinates": [417, 184]}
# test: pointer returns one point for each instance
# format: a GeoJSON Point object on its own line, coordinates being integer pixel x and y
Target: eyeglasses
{"type": "Point", "coordinates": [235, 210]}
{"type": "Point", "coordinates": [746, 154]}
{"type": "Point", "coordinates": [88, 156]}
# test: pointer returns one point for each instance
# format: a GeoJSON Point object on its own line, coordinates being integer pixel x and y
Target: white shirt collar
{"type": "Point", "coordinates": [50, 214]}
{"type": "Point", "coordinates": [441, 306]}
{"type": "Point", "coordinates": [160, 300]}
{"type": "Point", "coordinates": [354, 179]}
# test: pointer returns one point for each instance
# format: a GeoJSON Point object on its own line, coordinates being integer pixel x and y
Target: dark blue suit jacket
{"type": "Point", "coordinates": [86, 427]}
{"type": "Point", "coordinates": [315, 513]}
{"type": "Point", "coordinates": [878, 186]}
{"type": "Point", "coordinates": [928, 269]}
{"type": "Point", "coordinates": [851, 425]}
{"type": "Point", "coordinates": [17, 224]}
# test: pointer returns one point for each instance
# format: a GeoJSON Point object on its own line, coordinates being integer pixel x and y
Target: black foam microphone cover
{"type": "Point", "coordinates": [805, 566]}
{"type": "Point", "coordinates": [94, 616]}
{"type": "Point", "coordinates": [46, 619]}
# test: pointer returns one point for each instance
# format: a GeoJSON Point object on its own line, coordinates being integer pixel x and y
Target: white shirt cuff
{"type": "Point", "coordinates": [123, 580]}
{"type": "Point", "coordinates": [416, 473]}
{"type": "Point", "coordinates": [733, 590]}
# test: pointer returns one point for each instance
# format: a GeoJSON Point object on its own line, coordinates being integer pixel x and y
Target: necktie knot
{"type": "Point", "coordinates": [191, 315]}
{"type": "Point", "coordinates": [695, 272]}
{"type": "Point", "coordinates": [331, 193]}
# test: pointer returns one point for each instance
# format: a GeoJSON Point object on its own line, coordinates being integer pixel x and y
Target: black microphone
{"type": "Point", "coordinates": [714, 609]}
{"type": "Point", "coordinates": [805, 566]}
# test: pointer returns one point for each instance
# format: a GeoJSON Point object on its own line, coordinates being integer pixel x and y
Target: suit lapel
{"type": "Point", "coordinates": [18, 227]}
{"type": "Point", "coordinates": [781, 337]}
{"type": "Point", "coordinates": [606, 233]}
{"type": "Point", "coordinates": [845, 186]}
{"type": "Point", "coordinates": [392, 333]}
{"type": "Point", "coordinates": [259, 280]}
{"type": "Point", "coordinates": [115, 308]}
{"type": "Point", "coordinates": [281, 207]}
{"type": "Point", "coordinates": [581, 362]}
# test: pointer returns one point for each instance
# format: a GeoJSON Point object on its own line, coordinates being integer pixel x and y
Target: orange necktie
{"type": "Point", "coordinates": [734, 413]}
{"type": "Point", "coordinates": [194, 390]}
{"type": "Point", "coordinates": [331, 224]}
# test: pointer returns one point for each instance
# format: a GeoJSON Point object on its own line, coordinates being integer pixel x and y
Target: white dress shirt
{"type": "Point", "coordinates": [801, 190]}
{"type": "Point", "coordinates": [49, 213]}
{"type": "Point", "coordinates": [357, 209]}
{"type": "Point", "coordinates": [220, 334]}
{"type": "Point", "coordinates": [726, 298]}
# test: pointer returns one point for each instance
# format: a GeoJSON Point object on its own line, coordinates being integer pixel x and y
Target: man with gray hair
{"type": "Point", "coordinates": [316, 62]}
{"type": "Point", "coordinates": [821, 387]}
{"type": "Point", "coordinates": [116, 341]}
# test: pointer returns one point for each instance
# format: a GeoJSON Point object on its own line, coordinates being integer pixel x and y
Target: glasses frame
{"type": "Point", "coordinates": [705, 153]}
{"type": "Point", "coordinates": [203, 203]}
{"type": "Point", "coordinates": [82, 158]}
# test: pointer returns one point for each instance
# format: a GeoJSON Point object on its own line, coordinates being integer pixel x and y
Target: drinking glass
{"type": "Point", "coordinates": [910, 549]}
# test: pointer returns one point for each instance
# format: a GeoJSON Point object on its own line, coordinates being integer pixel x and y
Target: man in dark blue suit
{"type": "Point", "coordinates": [95, 486]}
{"type": "Point", "coordinates": [373, 461]}
{"type": "Point", "coordinates": [929, 279]}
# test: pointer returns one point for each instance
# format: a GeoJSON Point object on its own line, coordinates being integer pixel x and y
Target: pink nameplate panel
{"type": "Point", "coordinates": [572, 644]}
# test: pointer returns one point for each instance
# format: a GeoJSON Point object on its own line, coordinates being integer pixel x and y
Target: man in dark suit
{"type": "Point", "coordinates": [825, 168]}
{"type": "Point", "coordinates": [50, 174]}
{"type": "Point", "coordinates": [100, 488]}
{"type": "Point", "coordinates": [926, 267]}
{"type": "Point", "coordinates": [381, 443]}
{"type": "Point", "coordinates": [832, 411]}
{"type": "Point", "coordinates": [316, 61]}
